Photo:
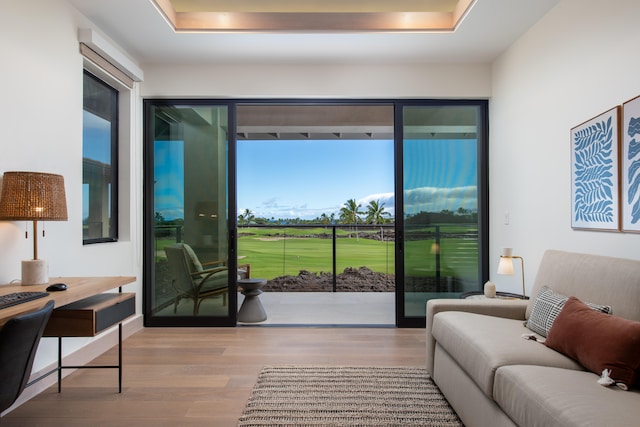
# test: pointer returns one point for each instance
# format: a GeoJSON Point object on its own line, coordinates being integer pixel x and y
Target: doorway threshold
{"type": "Point", "coordinates": [353, 309]}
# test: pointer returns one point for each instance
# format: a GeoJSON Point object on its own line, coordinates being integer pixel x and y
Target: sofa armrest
{"type": "Point", "coordinates": [510, 309]}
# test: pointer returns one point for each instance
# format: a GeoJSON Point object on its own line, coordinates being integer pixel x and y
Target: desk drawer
{"type": "Point", "coordinates": [90, 316]}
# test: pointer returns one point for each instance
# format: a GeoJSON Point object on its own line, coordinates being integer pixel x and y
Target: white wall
{"type": "Point", "coordinates": [41, 120]}
{"type": "Point", "coordinates": [579, 61]}
{"type": "Point", "coordinates": [318, 81]}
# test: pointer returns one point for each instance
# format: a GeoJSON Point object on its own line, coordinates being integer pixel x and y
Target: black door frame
{"type": "Point", "coordinates": [401, 319]}
{"type": "Point", "coordinates": [149, 212]}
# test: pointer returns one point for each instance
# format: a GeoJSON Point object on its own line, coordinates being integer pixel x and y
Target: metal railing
{"type": "Point", "coordinates": [325, 231]}
{"type": "Point", "coordinates": [444, 255]}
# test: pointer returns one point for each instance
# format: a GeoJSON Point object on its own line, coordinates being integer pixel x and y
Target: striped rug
{"type": "Point", "coordinates": [346, 396]}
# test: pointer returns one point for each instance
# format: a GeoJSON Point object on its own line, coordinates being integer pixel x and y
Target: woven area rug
{"type": "Point", "coordinates": [346, 396]}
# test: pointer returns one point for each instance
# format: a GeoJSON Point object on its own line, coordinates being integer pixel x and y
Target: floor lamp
{"type": "Point", "coordinates": [505, 266]}
{"type": "Point", "coordinates": [33, 196]}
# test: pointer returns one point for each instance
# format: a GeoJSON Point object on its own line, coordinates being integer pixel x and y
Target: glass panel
{"type": "Point", "coordinates": [190, 211]}
{"type": "Point", "coordinates": [440, 211]}
{"type": "Point", "coordinates": [99, 161]}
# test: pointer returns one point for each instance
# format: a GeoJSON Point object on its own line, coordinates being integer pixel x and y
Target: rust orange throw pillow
{"type": "Point", "coordinates": [597, 341]}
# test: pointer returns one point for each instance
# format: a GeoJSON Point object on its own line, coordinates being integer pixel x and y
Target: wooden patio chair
{"type": "Point", "coordinates": [196, 280]}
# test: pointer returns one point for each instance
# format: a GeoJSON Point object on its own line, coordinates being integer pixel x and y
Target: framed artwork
{"type": "Point", "coordinates": [630, 166]}
{"type": "Point", "coordinates": [594, 173]}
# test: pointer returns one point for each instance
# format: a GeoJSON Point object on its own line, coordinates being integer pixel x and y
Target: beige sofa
{"type": "Point", "coordinates": [494, 377]}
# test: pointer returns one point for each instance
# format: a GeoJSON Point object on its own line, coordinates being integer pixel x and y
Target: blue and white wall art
{"type": "Point", "coordinates": [630, 173]}
{"type": "Point", "coordinates": [594, 173]}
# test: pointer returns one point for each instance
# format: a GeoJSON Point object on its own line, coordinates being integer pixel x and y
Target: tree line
{"type": "Point", "coordinates": [350, 213]}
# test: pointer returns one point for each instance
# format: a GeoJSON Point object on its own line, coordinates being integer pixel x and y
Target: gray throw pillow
{"type": "Point", "coordinates": [546, 308]}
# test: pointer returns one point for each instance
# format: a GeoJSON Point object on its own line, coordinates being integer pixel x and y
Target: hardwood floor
{"type": "Point", "coordinates": [204, 376]}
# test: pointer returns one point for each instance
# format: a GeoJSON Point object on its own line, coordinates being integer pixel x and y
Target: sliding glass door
{"type": "Point", "coordinates": [436, 216]}
{"type": "Point", "coordinates": [187, 211]}
{"type": "Point", "coordinates": [441, 202]}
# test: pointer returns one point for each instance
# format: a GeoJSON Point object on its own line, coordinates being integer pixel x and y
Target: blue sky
{"type": "Point", "coordinates": [291, 179]}
{"type": "Point", "coordinates": [304, 179]}
{"type": "Point", "coordinates": [96, 137]}
{"type": "Point", "coordinates": [439, 175]}
{"type": "Point", "coordinates": [169, 179]}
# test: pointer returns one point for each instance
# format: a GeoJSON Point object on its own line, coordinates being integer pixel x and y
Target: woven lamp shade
{"type": "Point", "coordinates": [33, 196]}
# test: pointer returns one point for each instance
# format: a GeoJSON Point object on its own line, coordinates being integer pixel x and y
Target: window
{"type": "Point", "coordinates": [99, 161]}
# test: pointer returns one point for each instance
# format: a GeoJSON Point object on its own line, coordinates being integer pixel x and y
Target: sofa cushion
{"type": "Point", "coordinates": [598, 341]}
{"type": "Point", "coordinates": [481, 344]}
{"type": "Point", "coordinates": [547, 306]}
{"type": "Point", "coordinates": [539, 396]}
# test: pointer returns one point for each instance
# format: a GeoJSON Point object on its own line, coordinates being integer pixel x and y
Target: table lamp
{"type": "Point", "coordinates": [505, 266]}
{"type": "Point", "coordinates": [33, 196]}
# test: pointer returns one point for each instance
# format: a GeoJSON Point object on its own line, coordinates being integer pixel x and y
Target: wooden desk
{"type": "Point", "coordinates": [77, 288]}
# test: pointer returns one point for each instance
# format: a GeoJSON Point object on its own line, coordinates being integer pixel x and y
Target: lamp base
{"type": "Point", "coordinates": [35, 272]}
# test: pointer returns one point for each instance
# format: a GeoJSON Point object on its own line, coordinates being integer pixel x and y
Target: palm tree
{"type": "Point", "coordinates": [350, 213]}
{"type": "Point", "coordinates": [246, 217]}
{"type": "Point", "coordinates": [376, 213]}
{"type": "Point", "coordinates": [324, 219]}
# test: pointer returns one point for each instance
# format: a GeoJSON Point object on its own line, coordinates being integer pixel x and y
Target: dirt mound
{"type": "Point", "coordinates": [351, 280]}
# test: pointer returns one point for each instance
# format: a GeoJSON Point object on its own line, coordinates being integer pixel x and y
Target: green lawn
{"type": "Point", "coordinates": [272, 256]}
{"type": "Point", "coordinates": [275, 252]}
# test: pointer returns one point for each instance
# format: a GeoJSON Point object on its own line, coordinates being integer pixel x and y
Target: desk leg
{"type": "Point", "coordinates": [59, 364]}
{"type": "Point", "coordinates": [120, 352]}
{"type": "Point", "coordinates": [119, 357]}
{"type": "Point", "coordinates": [60, 367]}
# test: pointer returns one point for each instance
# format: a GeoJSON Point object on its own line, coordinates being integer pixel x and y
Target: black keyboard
{"type": "Point", "coordinates": [20, 297]}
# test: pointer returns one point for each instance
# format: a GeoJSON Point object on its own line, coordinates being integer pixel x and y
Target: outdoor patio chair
{"type": "Point", "coordinates": [198, 281]}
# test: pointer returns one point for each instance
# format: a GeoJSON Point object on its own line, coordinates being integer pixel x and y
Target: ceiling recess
{"type": "Point", "coordinates": [286, 16]}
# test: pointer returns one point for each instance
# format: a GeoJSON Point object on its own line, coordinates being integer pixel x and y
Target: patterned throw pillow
{"type": "Point", "coordinates": [546, 308]}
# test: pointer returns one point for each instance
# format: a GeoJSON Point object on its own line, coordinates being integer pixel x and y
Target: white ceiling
{"type": "Point", "coordinates": [488, 29]}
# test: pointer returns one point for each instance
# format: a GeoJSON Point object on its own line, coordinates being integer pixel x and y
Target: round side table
{"type": "Point", "coordinates": [499, 295]}
{"type": "Point", "coordinates": [251, 310]}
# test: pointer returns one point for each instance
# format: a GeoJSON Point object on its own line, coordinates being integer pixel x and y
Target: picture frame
{"type": "Point", "coordinates": [595, 188]}
{"type": "Point", "coordinates": [630, 166]}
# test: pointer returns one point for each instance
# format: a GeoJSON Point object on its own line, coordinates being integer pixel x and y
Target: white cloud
{"type": "Point", "coordinates": [387, 200]}
{"type": "Point", "coordinates": [270, 203]}
{"type": "Point", "coordinates": [435, 199]}
{"type": "Point", "coordinates": [427, 199]}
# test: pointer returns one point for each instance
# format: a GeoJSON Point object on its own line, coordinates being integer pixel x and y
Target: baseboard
{"type": "Point", "coordinates": [99, 345]}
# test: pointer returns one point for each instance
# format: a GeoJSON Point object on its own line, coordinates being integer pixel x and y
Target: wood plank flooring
{"type": "Point", "coordinates": [204, 376]}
